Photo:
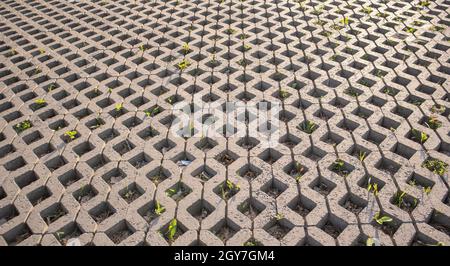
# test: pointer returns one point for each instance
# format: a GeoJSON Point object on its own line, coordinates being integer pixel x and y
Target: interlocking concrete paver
{"type": "Point", "coordinates": [91, 152]}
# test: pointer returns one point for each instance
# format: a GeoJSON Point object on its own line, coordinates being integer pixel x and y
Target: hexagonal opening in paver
{"type": "Point", "coordinates": [439, 221]}
{"type": "Point", "coordinates": [270, 155]}
{"type": "Point", "coordinates": [68, 232]}
{"type": "Point", "coordinates": [53, 213]}
{"type": "Point", "coordinates": [165, 145]}
{"type": "Point", "coordinates": [151, 210]}
{"type": "Point", "coordinates": [7, 213]}
{"type": "Point", "coordinates": [251, 208]}
{"type": "Point", "coordinates": [101, 212]}
{"type": "Point", "coordinates": [38, 195]}
{"type": "Point", "coordinates": [225, 229]}
{"type": "Point", "coordinates": [302, 205]}
{"type": "Point", "coordinates": [387, 223]}
{"type": "Point", "coordinates": [341, 167]}
{"type": "Point", "coordinates": [124, 147]}
{"type": "Point", "coordinates": [333, 225]}
{"type": "Point", "coordinates": [204, 173]}
{"type": "Point", "coordinates": [83, 148]}
{"type": "Point", "coordinates": [178, 191]}
{"type": "Point", "coordinates": [201, 209]}
{"type": "Point", "coordinates": [18, 234]}
{"type": "Point", "coordinates": [120, 232]}
{"type": "Point", "coordinates": [322, 186]}
{"type": "Point", "coordinates": [249, 172]}
{"type": "Point", "coordinates": [278, 227]}
{"type": "Point", "coordinates": [158, 175]}
{"type": "Point", "coordinates": [131, 192]}
{"type": "Point", "coordinates": [85, 193]}
{"type": "Point", "coordinates": [226, 157]}
{"type": "Point", "coordinates": [274, 188]}
{"type": "Point", "coordinates": [353, 203]}
{"type": "Point", "coordinates": [295, 170]}
{"type": "Point", "coordinates": [227, 189]}
{"type": "Point", "coordinates": [172, 230]}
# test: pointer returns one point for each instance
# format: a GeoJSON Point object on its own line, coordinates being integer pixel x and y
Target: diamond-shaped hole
{"type": "Point", "coordinates": [97, 161]}
{"type": "Point", "coordinates": [83, 148]}
{"type": "Point", "coordinates": [17, 234]}
{"type": "Point", "coordinates": [388, 166]}
{"type": "Point", "coordinates": [164, 145]}
{"type": "Point", "coordinates": [70, 231]}
{"type": "Point", "coordinates": [178, 191]}
{"type": "Point", "coordinates": [53, 213]}
{"type": "Point", "coordinates": [70, 177]}
{"type": "Point", "coordinates": [341, 167]}
{"type": "Point", "coordinates": [302, 205]}
{"type": "Point", "coordinates": [289, 140]}
{"type": "Point", "coordinates": [201, 209]}
{"type": "Point", "coordinates": [225, 229]}
{"type": "Point", "coordinates": [85, 194]}
{"type": "Point", "coordinates": [278, 228]}
{"type": "Point", "coordinates": [249, 172]}
{"type": "Point", "coordinates": [295, 170]}
{"type": "Point", "coordinates": [440, 222]}
{"type": "Point", "coordinates": [151, 211]}
{"type": "Point", "coordinates": [158, 175]}
{"type": "Point", "coordinates": [131, 192]}
{"type": "Point", "coordinates": [39, 195]}
{"type": "Point", "coordinates": [7, 213]}
{"type": "Point", "coordinates": [248, 143]}
{"type": "Point", "coordinates": [274, 188]}
{"type": "Point", "coordinates": [227, 189]}
{"type": "Point", "coordinates": [404, 201]}
{"type": "Point", "coordinates": [314, 153]}
{"type": "Point", "coordinates": [180, 229]}
{"type": "Point", "coordinates": [353, 203]}
{"type": "Point", "coordinates": [114, 176]}
{"type": "Point", "coordinates": [124, 147]}
{"type": "Point", "coordinates": [102, 212]}
{"type": "Point", "coordinates": [226, 158]}
{"type": "Point", "coordinates": [251, 208]}
{"type": "Point", "coordinates": [333, 226]}
{"type": "Point", "coordinates": [140, 160]}
{"type": "Point", "coordinates": [55, 163]}
{"type": "Point", "coordinates": [270, 156]}
{"type": "Point", "coordinates": [120, 232]}
{"type": "Point", "coordinates": [203, 173]}
{"type": "Point", "coordinates": [322, 185]}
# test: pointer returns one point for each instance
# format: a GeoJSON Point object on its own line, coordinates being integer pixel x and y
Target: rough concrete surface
{"type": "Point", "coordinates": [88, 154]}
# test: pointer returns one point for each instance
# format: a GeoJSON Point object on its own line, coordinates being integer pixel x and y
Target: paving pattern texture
{"type": "Point", "coordinates": [87, 152]}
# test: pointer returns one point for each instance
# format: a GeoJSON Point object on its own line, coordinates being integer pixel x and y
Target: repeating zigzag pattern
{"type": "Point", "coordinates": [86, 96]}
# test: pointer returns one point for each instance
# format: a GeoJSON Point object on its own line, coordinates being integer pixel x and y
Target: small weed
{"type": "Point", "coordinates": [345, 21]}
{"type": "Point", "coordinates": [427, 190]}
{"type": "Point", "coordinates": [186, 49]}
{"type": "Point", "coordinates": [424, 3]}
{"type": "Point", "coordinates": [279, 216]}
{"type": "Point", "coordinates": [433, 123]}
{"type": "Point", "coordinates": [183, 64]}
{"type": "Point", "coordinates": [118, 107]}
{"type": "Point", "coordinates": [410, 30]}
{"type": "Point", "coordinates": [383, 219]}
{"type": "Point", "coordinates": [435, 166]}
{"type": "Point", "coordinates": [283, 94]}
{"type": "Point", "coordinates": [419, 136]}
{"type": "Point", "coordinates": [247, 47]}
{"type": "Point", "coordinates": [230, 31]}
{"type": "Point", "coordinates": [172, 230]}
{"type": "Point", "coordinates": [362, 156]}
{"type": "Point", "coordinates": [153, 111]}
{"type": "Point", "coordinates": [437, 109]}
{"type": "Point", "coordinates": [227, 189]}
{"type": "Point", "coordinates": [71, 134]}
{"type": "Point", "coordinates": [40, 102]}
{"type": "Point", "coordinates": [159, 209]}
{"type": "Point", "coordinates": [308, 127]}
{"type": "Point", "coordinates": [399, 198]}
{"type": "Point", "coordinates": [22, 126]}
{"type": "Point", "coordinates": [367, 10]}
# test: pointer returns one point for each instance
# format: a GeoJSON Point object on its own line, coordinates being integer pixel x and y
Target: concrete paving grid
{"type": "Point", "coordinates": [88, 157]}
